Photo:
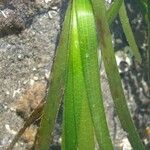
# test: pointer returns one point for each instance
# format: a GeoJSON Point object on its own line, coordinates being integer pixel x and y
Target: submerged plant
{"type": "Point", "coordinates": [75, 79]}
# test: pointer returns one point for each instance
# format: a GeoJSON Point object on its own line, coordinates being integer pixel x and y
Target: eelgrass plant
{"type": "Point", "coordinates": [75, 79]}
{"type": "Point", "coordinates": [83, 102]}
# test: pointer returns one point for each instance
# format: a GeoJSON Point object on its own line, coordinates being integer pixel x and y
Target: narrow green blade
{"type": "Point", "coordinates": [143, 8]}
{"type": "Point", "coordinates": [77, 126]}
{"type": "Point", "coordinates": [89, 57]}
{"type": "Point", "coordinates": [57, 81]}
{"type": "Point", "coordinates": [148, 51]}
{"type": "Point", "coordinates": [113, 10]}
{"type": "Point", "coordinates": [128, 32]}
{"type": "Point", "coordinates": [113, 75]}
{"type": "Point", "coordinates": [69, 124]}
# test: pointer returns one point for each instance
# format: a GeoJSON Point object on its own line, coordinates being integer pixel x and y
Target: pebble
{"type": "Point", "coordinates": [50, 15]}
{"type": "Point", "coordinates": [32, 82]}
{"type": "Point", "coordinates": [20, 57]}
{"type": "Point", "coordinates": [35, 78]}
{"type": "Point", "coordinates": [125, 144]}
{"type": "Point", "coordinates": [16, 92]}
{"type": "Point", "coordinates": [47, 1]}
{"type": "Point", "coordinates": [9, 130]}
{"type": "Point", "coordinates": [54, 8]}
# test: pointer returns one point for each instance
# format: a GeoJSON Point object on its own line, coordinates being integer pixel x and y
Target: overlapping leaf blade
{"type": "Point", "coordinates": [83, 105]}
{"type": "Point", "coordinates": [128, 32]}
{"type": "Point", "coordinates": [89, 57]}
{"type": "Point", "coordinates": [148, 51]}
{"type": "Point", "coordinates": [113, 10]}
{"type": "Point", "coordinates": [83, 92]}
{"type": "Point", "coordinates": [56, 90]}
{"type": "Point", "coordinates": [113, 75]}
{"type": "Point", "coordinates": [77, 119]}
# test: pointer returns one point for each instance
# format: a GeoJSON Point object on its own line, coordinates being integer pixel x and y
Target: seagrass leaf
{"type": "Point", "coordinates": [56, 90]}
{"type": "Point", "coordinates": [77, 124]}
{"type": "Point", "coordinates": [128, 33]}
{"type": "Point", "coordinates": [89, 58]}
{"type": "Point", "coordinates": [143, 5]}
{"type": "Point", "coordinates": [113, 75]}
{"type": "Point", "coordinates": [113, 10]}
{"type": "Point", "coordinates": [148, 50]}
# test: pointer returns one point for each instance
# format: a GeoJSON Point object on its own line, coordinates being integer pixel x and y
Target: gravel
{"type": "Point", "coordinates": [25, 58]}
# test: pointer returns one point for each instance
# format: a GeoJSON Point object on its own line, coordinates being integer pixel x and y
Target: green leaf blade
{"type": "Point", "coordinates": [113, 10]}
{"type": "Point", "coordinates": [148, 50]}
{"type": "Point", "coordinates": [89, 55]}
{"type": "Point", "coordinates": [56, 90]}
{"type": "Point", "coordinates": [113, 75]}
{"type": "Point", "coordinates": [77, 119]}
{"type": "Point", "coordinates": [128, 32]}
